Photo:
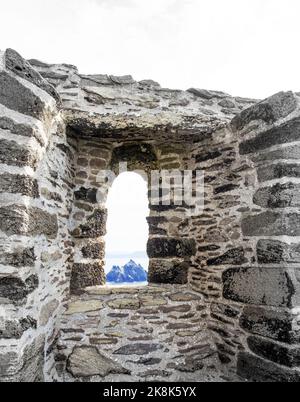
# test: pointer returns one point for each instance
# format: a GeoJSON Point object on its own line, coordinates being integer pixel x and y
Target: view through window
{"type": "Point", "coordinates": [127, 231]}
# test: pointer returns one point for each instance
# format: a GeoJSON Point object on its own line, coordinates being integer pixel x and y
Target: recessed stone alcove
{"type": "Point", "coordinates": [223, 300]}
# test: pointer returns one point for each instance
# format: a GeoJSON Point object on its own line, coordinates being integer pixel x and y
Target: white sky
{"type": "Point", "coordinates": [244, 47]}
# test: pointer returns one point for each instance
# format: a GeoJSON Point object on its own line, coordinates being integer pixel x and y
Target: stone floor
{"type": "Point", "coordinates": [151, 333]}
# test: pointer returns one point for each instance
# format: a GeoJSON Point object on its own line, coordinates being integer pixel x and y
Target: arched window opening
{"type": "Point", "coordinates": [126, 260]}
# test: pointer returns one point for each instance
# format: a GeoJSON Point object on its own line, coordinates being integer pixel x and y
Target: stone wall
{"type": "Point", "coordinates": [35, 195]}
{"type": "Point", "coordinates": [155, 333]}
{"type": "Point", "coordinates": [230, 275]}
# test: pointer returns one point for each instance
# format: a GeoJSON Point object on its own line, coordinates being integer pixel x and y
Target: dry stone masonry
{"type": "Point", "coordinates": [223, 301]}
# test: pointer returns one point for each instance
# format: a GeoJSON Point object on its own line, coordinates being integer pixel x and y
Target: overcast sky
{"type": "Point", "coordinates": [243, 47]}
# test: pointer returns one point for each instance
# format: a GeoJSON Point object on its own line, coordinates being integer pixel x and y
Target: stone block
{"type": "Point", "coordinates": [86, 194]}
{"type": "Point", "coordinates": [138, 156]}
{"type": "Point", "coordinates": [15, 63]}
{"type": "Point", "coordinates": [256, 369]}
{"type": "Point", "coordinates": [225, 189]}
{"type": "Point", "coordinates": [47, 312]}
{"type": "Point", "coordinates": [278, 171]}
{"type": "Point", "coordinates": [27, 221]}
{"type": "Point", "coordinates": [95, 251]}
{"type": "Point", "coordinates": [14, 154]}
{"type": "Point", "coordinates": [278, 353]}
{"type": "Point", "coordinates": [14, 329]}
{"type": "Point", "coordinates": [85, 275]}
{"type": "Point", "coordinates": [138, 349]}
{"type": "Point", "coordinates": [234, 256]}
{"type": "Point", "coordinates": [87, 361]}
{"type": "Point", "coordinates": [287, 132]}
{"type": "Point", "coordinates": [262, 286]}
{"type": "Point", "coordinates": [272, 223]}
{"type": "Point", "coordinates": [168, 271]}
{"type": "Point", "coordinates": [124, 304]}
{"type": "Point", "coordinates": [278, 196]}
{"type": "Point", "coordinates": [26, 366]}
{"type": "Point", "coordinates": [20, 125]}
{"type": "Point", "coordinates": [208, 156]}
{"type": "Point", "coordinates": [19, 184]}
{"type": "Point", "coordinates": [269, 110]}
{"type": "Point", "coordinates": [17, 96]}
{"type": "Point", "coordinates": [16, 289]}
{"type": "Point", "coordinates": [277, 324]}
{"type": "Point", "coordinates": [20, 257]}
{"type": "Point", "coordinates": [285, 152]}
{"type": "Point", "coordinates": [83, 307]}
{"type": "Point", "coordinates": [164, 247]}
{"type": "Point", "coordinates": [275, 251]}
{"type": "Point", "coordinates": [94, 227]}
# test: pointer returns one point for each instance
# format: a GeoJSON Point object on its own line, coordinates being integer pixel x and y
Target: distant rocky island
{"type": "Point", "coordinates": [129, 273]}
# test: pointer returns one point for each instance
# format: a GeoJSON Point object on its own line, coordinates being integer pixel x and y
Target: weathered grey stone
{"type": "Point", "coordinates": [167, 271]}
{"type": "Point", "coordinates": [184, 297]}
{"type": "Point", "coordinates": [87, 195]}
{"type": "Point", "coordinates": [276, 107]}
{"type": "Point", "coordinates": [234, 256]}
{"type": "Point", "coordinates": [278, 196]}
{"type": "Point", "coordinates": [285, 152]}
{"type": "Point", "coordinates": [271, 323]}
{"type": "Point", "coordinates": [19, 184]}
{"type": "Point", "coordinates": [47, 312]}
{"type": "Point", "coordinates": [149, 300]}
{"type": "Point", "coordinates": [19, 258]}
{"type": "Point", "coordinates": [138, 156]}
{"type": "Point", "coordinates": [181, 325]}
{"type": "Point", "coordinates": [138, 349]}
{"type": "Point", "coordinates": [276, 352]}
{"type": "Point", "coordinates": [94, 227]}
{"type": "Point", "coordinates": [122, 80]}
{"type": "Point", "coordinates": [225, 188]}
{"type": "Point", "coordinates": [228, 104]}
{"type": "Point", "coordinates": [25, 130]}
{"type": "Point", "coordinates": [26, 366]}
{"type": "Point", "coordinates": [208, 155]}
{"type": "Point", "coordinates": [275, 251]}
{"type": "Point", "coordinates": [16, 96]}
{"type": "Point", "coordinates": [162, 247]}
{"type": "Point", "coordinates": [277, 171]}
{"type": "Point", "coordinates": [93, 250]}
{"type": "Point", "coordinates": [85, 275]}
{"type": "Point", "coordinates": [15, 63]}
{"type": "Point", "coordinates": [11, 153]}
{"type": "Point", "coordinates": [15, 289]}
{"type": "Point", "coordinates": [27, 221]}
{"type": "Point", "coordinates": [205, 94]}
{"type": "Point", "coordinates": [147, 361]}
{"type": "Point", "coordinates": [271, 223]}
{"type": "Point", "coordinates": [262, 286]}
{"type": "Point", "coordinates": [287, 132]}
{"type": "Point", "coordinates": [83, 306]}
{"type": "Point", "coordinates": [7, 363]}
{"type": "Point", "coordinates": [155, 373]}
{"type": "Point", "coordinates": [87, 361]}
{"type": "Point", "coordinates": [179, 308]}
{"type": "Point", "coordinates": [224, 309]}
{"type": "Point", "coordinates": [154, 223]}
{"type": "Point", "coordinates": [16, 328]}
{"type": "Point", "coordinates": [255, 368]}
{"type": "Point", "coordinates": [124, 304]}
